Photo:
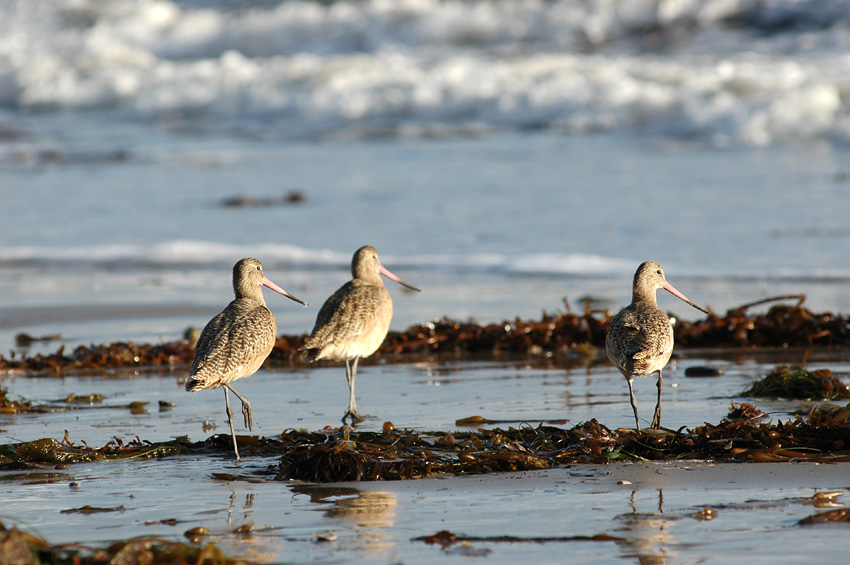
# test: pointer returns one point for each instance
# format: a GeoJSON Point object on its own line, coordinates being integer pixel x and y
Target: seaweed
{"type": "Point", "coordinates": [344, 454]}
{"type": "Point", "coordinates": [744, 411]}
{"type": "Point", "coordinates": [446, 538]}
{"type": "Point", "coordinates": [829, 517]}
{"type": "Point", "coordinates": [48, 451]}
{"type": "Point", "coordinates": [568, 338]}
{"type": "Point", "coordinates": [21, 547]}
{"type": "Point", "coordinates": [98, 357]}
{"type": "Point", "coordinates": [782, 326]}
{"type": "Point", "coordinates": [798, 383]}
{"type": "Point", "coordinates": [69, 403]}
{"type": "Point", "coordinates": [8, 406]}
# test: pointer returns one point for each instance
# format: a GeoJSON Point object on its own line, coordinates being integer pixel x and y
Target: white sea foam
{"type": "Point", "coordinates": [182, 254]}
{"type": "Point", "coordinates": [293, 69]}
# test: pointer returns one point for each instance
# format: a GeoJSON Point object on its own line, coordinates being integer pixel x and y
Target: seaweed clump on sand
{"type": "Point", "coordinates": [578, 335]}
{"type": "Point", "coordinates": [104, 356]}
{"type": "Point", "coordinates": [344, 454]}
{"type": "Point", "coordinates": [23, 548]}
{"type": "Point", "coordinates": [551, 333]}
{"type": "Point", "coordinates": [784, 325]}
{"type": "Point", "coordinates": [797, 383]}
{"type": "Point", "coordinates": [823, 435]}
{"type": "Point", "coordinates": [49, 451]}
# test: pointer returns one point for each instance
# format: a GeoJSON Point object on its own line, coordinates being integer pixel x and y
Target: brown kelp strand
{"type": "Point", "coordinates": [569, 335]}
{"type": "Point", "coordinates": [744, 411]}
{"type": "Point", "coordinates": [344, 454]}
{"type": "Point", "coordinates": [70, 402]}
{"type": "Point", "coordinates": [446, 538]}
{"type": "Point", "coordinates": [11, 406]}
{"type": "Point", "coordinates": [17, 546]}
{"type": "Point", "coordinates": [839, 515]}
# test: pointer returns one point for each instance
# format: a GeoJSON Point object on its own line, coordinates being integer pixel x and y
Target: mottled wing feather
{"type": "Point", "coordinates": [348, 313]}
{"type": "Point", "coordinates": [233, 344]}
{"type": "Point", "coordinates": [637, 336]}
{"type": "Point", "coordinates": [209, 335]}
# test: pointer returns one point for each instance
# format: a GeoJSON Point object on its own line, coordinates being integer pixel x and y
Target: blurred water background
{"type": "Point", "coordinates": [503, 156]}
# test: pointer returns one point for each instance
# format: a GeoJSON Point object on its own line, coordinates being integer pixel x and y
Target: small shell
{"type": "Point", "coordinates": [325, 536]}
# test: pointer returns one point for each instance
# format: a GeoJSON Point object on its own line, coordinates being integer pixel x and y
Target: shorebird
{"type": "Point", "coordinates": [354, 321]}
{"type": "Point", "coordinates": [640, 337]}
{"type": "Point", "coordinates": [235, 343]}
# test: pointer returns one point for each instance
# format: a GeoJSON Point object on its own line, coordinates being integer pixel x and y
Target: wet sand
{"type": "Point", "coordinates": [596, 513]}
{"type": "Point", "coordinates": [679, 512]}
{"type": "Point", "coordinates": [639, 476]}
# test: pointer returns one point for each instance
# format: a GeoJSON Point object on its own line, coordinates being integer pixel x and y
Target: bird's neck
{"type": "Point", "coordinates": [372, 279]}
{"type": "Point", "coordinates": [642, 295]}
{"type": "Point", "coordinates": [251, 292]}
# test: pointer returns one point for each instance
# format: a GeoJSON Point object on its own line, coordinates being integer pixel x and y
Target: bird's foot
{"type": "Point", "coordinates": [355, 416]}
{"type": "Point", "coordinates": [656, 421]}
{"type": "Point", "coordinates": [249, 417]}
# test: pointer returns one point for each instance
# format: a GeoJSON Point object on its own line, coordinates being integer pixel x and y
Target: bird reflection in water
{"type": "Point", "coordinates": [646, 535]}
{"type": "Point", "coordinates": [247, 507]}
{"type": "Point", "coordinates": [366, 513]}
{"type": "Point", "coordinates": [239, 536]}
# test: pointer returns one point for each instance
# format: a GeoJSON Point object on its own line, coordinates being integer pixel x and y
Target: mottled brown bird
{"type": "Point", "coordinates": [354, 321]}
{"type": "Point", "coordinates": [640, 337]}
{"type": "Point", "coordinates": [235, 343]}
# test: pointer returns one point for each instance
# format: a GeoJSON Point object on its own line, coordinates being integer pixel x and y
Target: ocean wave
{"type": "Point", "coordinates": [199, 254]}
{"type": "Point", "coordinates": [202, 255]}
{"type": "Point", "coordinates": [720, 71]}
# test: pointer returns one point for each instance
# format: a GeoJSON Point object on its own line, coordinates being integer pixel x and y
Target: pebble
{"type": "Point", "coordinates": [702, 371]}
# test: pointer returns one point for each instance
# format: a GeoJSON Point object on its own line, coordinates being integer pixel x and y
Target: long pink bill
{"type": "Point", "coordinates": [383, 270]}
{"type": "Point", "coordinates": [274, 287]}
{"type": "Point", "coordinates": [669, 288]}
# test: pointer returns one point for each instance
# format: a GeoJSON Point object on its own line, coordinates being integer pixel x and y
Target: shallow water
{"type": "Point", "coordinates": [376, 523]}
{"type": "Point", "coordinates": [489, 228]}
{"type": "Point", "coordinates": [756, 504]}
{"type": "Point", "coordinates": [422, 396]}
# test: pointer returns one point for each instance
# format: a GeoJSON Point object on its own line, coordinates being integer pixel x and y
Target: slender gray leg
{"type": "Point", "coordinates": [634, 403]}
{"type": "Point", "coordinates": [230, 421]}
{"type": "Point", "coordinates": [246, 407]}
{"type": "Point", "coordinates": [350, 374]}
{"type": "Point", "coordinates": [656, 420]}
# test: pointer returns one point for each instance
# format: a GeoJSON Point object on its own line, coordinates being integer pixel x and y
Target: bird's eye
{"type": "Point", "coordinates": [258, 268]}
{"type": "Point", "coordinates": [658, 271]}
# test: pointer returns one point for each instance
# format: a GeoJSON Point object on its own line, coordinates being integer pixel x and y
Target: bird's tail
{"type": "Point", "coordinates": [311, 355]}
{"type": "Point", "coordinates": [194, 384]}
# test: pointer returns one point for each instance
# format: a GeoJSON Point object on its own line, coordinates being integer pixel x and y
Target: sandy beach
{"type": "Point", "coordinates": [674, 511]}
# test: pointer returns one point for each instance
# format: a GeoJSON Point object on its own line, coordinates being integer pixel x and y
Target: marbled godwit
{"type": "Point", "coordinates": [640, 337]}
{"type": "Point", "coordinates": [235, 343]}
{"type": "Point", "coordinates": [354, 321]}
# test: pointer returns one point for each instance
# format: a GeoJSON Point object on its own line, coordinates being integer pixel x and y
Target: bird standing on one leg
{"type": "Point", "coordinates": [235, 343]}
{"type": "Point", "coordinates": [354, 321]}
{"type": "Point", "coordinates": [640, 337]}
